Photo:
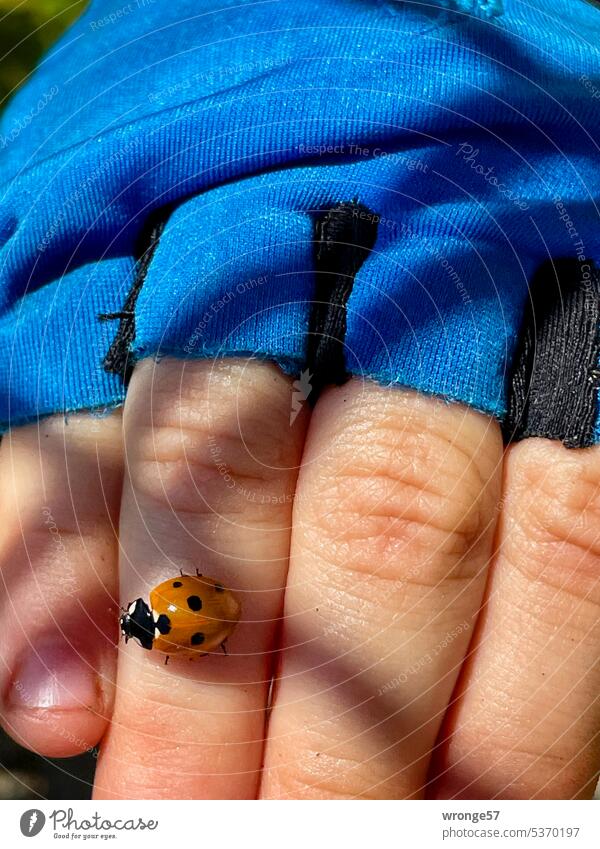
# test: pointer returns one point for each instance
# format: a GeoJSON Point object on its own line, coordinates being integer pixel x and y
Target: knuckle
{"type": "Point", "coordinates": [556, 514]}
{"type": "Point", "coordinates": [209, 440]}
{"type": "Point", "coordinates": [196, 453]}
{"type": "Point", "coordinates": [194, 470]}
{"type": "Point", "coordinates": [405, 503]}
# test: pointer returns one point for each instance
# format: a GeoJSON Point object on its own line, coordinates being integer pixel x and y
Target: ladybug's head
{"type": "Point", "coordinates": [137, 622]}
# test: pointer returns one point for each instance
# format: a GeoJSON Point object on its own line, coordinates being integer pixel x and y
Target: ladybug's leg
{"type": "Point", "coordinates": [224, 647]}
{"type": "Point", "coordinates": [166, 659]}
{"type": "Point", "coordinates": [198, 574]}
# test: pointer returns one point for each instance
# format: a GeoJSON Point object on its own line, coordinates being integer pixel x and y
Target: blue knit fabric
{"type": "Point", "coordinates": [469, 128]}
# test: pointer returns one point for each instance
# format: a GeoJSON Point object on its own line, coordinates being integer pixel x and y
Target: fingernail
{"type": "Point", "coordinates": [53, 675]}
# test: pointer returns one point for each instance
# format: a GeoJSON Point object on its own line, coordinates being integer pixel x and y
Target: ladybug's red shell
{"type": "Point", "coordinates": [194, 615]}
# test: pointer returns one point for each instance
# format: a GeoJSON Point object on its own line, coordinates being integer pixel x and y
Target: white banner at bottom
{"type": "Point", "coordinates": [296, 825]}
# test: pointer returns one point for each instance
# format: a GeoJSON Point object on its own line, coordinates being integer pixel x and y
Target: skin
{"type": "Point", "coordinates": [427, 603]}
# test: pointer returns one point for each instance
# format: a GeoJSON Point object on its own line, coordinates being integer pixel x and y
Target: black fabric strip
{"type": "Point", "coordinates": [554, 384]}
{"type": "Point", "coordinates": [344, 237]}
{"type": "Point", "coordinates": [118, 359]}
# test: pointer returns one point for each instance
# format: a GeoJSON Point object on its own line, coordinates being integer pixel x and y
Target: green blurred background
{"type": "Point", "coordinates": [27, 29]}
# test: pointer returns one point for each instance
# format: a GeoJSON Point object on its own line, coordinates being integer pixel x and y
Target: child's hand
{"type": "Point", "coordinates": [410, 659]}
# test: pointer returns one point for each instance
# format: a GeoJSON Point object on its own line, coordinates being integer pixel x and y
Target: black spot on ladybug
{"type": "Point", "coordinates": [177, 584]}
{"type": "Point", "coordinates": [194, 602]}
{"type": "Point", "coordinates": [163, 623]}
{"type": "Point", "coordinates": [219, 588]}
{"type": "Point", "coordinates": [197, 639]}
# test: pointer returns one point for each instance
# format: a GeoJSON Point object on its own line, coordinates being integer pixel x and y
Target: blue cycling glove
{"type": "Point", "coordinates": [405, 191]}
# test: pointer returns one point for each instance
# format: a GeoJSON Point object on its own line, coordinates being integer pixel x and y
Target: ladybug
{"type": "Point", "coordinates": [188, 616]}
